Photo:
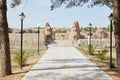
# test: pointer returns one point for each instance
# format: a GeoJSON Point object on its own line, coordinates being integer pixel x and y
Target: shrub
{"type": "Point", "coordinates": [16, 57]}
{"type": "Point", "coordinates": [91, 49]}
{"type": "Point", "coordinates": [87, 49]}
{"type": "Point", "coordinates": [104, 50]}
{"type": "Point", "coordinates": [102, 54]}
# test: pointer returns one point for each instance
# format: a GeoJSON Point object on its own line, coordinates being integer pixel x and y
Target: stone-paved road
{"type": "Point", "coordinates": [65, 63]}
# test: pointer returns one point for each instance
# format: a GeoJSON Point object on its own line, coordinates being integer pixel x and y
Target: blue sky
{"type": "Point", "coordinates": [38, 12]}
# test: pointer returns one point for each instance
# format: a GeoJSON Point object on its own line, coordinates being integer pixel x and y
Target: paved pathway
{"type": "Point", "coordinates": [61, 43]}
{"type": "Point", "coordinates": [65, 63]}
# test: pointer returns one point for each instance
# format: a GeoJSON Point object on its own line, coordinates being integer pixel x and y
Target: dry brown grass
{"type": "Point", "coordinates": [17, 73]}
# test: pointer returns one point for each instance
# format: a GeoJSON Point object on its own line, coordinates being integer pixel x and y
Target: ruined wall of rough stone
{"type": "Point", "coordinates": [61, 36]}
{"type": "Point", "coordinates": [100, 33]}
{"type": "Point", "coordinates": [99, 43]}
{"type": "Point", "coordinates": [29, 40]}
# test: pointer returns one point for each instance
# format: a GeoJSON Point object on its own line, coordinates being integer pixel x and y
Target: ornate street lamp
{"type": "Point", "coordinates": [38, 37]}
{"type": "Point", "coordinates": [22, 16]}
{"type": "Point", "coordinates": [90, 25]}
{"type": "Point", "coordinates": [111, 20]}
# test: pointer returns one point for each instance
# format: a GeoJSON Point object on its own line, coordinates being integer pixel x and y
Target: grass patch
{"type": "Point", "coordinates": [90, 49]}
{"type": "Point", "coordinates": [101, 54]}
{"type": "Point", "coordinates": [25, 56]}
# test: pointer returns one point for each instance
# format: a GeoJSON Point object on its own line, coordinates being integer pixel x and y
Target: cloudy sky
{"type": "Point", "coordinates": [38, 12]}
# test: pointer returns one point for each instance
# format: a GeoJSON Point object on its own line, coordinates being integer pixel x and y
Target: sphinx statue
{"type": "Point", "coordinates": [48, 32]}
{"type": "Point", "coordinates": [75, 31]}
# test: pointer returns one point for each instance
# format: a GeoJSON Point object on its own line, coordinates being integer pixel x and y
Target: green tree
{"type": "Point", "coordinates": [113, 4]}
{"type": "Point", "coordinates": [72, 3]}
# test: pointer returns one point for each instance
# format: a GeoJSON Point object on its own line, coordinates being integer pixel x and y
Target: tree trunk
{"type": "Point", "coordinates": [116, 13]}
{"type": "Point", "coordinates": [4, 40]}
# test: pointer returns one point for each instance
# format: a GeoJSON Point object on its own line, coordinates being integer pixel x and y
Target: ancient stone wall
{"type": "Point", "coordinates": [29, 40]}
{"type": "Point", "coordinates": [61, 36]}
{"type": "Point", "coordinates": [99, 43]}
{"type": "Point", "coordinates": [100, 33]}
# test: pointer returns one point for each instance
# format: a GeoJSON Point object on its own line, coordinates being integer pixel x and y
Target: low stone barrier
{"type": "Point", "coordinates": [99, 43]}
{"type": "Point", "coordinates": [29, 40]}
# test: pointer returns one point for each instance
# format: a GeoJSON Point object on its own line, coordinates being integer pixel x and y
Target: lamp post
{"type": "Point", "coordinates": [90, 25]}
{"type": "Point", "coordinates": [38, 37]}
{"type": "Point", "coordinates": [22, 16]}
{"type": "Point", "coordinates": [111, 19]}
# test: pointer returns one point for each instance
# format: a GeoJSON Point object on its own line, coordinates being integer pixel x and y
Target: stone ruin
{"type": "Point", "coordinates": [75, 31]}
{"type": "Point", "coordinates": [48, 33]}
{"type": "Point", "coordinates": [100, 33]}
{"type": "Point", "coordinates": [13, 30]}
